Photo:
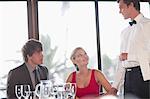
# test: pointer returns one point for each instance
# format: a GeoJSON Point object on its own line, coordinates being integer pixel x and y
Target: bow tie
{"type": "Point", "coordinates": [132, 22]}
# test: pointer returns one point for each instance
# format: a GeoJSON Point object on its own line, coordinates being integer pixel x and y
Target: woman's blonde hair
{"type": "Point", "coordinates": [72, 57]}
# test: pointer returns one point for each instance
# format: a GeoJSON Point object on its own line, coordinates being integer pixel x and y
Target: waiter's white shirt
{"type": "Point", "coordinates": [135, 40]}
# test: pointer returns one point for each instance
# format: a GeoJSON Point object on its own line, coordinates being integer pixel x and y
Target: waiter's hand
{"type": "Point", "coordinates": [123, 56]}
{"type": "Point", "coordinates": [112, 91]}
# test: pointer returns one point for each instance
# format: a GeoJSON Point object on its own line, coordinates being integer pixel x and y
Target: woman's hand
{"type": "Point", "coordinates": [113, 91]}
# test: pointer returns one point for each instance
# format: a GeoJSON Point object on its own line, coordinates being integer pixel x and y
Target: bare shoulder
{"type": "Point", "coordinates": [98, 76]}
{"type": "Point", "coordinates": [97, 72]}
{"type": "Point", "coordinates": [69, 79]}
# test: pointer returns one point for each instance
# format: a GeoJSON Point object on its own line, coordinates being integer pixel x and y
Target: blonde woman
{"type": "Point", "coordinates": [88, 81]}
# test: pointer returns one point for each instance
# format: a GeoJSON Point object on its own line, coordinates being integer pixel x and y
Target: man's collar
{"type": "Point", "coordinates": [30, 68]}
{"type": "Point", "coordinates": [138, 17]}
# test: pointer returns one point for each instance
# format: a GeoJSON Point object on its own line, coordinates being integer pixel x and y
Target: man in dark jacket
{"type": "Point", "coordinates": [30, 72]}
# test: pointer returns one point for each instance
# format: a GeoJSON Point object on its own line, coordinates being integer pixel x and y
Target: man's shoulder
{"type": "Point", "coordinates": [44, 72]}
{"type": "Point", "coordinates": [20, 67]}
{"type": "Point", "coordinates": [18, 70]}
{"type": "Point", "coordinates": [43, 68]}
{"type": "Point", "coordinates": [145, 20]}
{"type": "Point", "coordinates": [145, 23]}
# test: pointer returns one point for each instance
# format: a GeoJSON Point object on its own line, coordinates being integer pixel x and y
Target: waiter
{"type": "Point", "coordinates": [134, 59]}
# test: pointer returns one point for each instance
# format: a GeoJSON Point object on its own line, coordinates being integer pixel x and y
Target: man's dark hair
{"type": "Point", "coordinates": [136, 3]}
{"type": "Point", "coordinates": [30, 47]}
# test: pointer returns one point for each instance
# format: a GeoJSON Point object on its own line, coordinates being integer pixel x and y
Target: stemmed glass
{"type": "Point", "coordinates": [54, 91]}
{"type": "Point", "coordinates": [22, 91]}
{"type": "Point", "coordinates": [70, 89]}
{"type": "Point", "coordinates": [26, 91]}
{"type": "Point", "coordinates": [61, 91]}
{"type": "Point", "coordinates": [18, 91]}
{"type": "Point", "coordinates": [43, 89]}
{"type": "Point", "coordinates": [73, 90]}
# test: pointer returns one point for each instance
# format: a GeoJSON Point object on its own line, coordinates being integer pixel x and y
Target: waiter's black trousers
{"type": "Point", "coordinates": [135, 87]}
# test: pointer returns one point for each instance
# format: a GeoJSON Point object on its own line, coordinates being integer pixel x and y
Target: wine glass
{"type": "Point", "coordinates": [61, 91]}
{"type": "Point", "coordinates": [70, 89]}
{"type": "Point", "coordinates": [18, 91]}
{"type": "Point", "coordinates": [54, 91]}
{"type": "Point", "coordinates": [43, 89]}
{"type": "Point", "coordinates": [26, 91]}
{"type": "Point", "coordinates": [73, 90]}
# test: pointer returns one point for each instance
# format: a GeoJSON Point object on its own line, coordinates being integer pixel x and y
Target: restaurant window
{"type": "Point", "coordinates": [63, 26]}
{"type": "Point", "coordinates": [13, 34]}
